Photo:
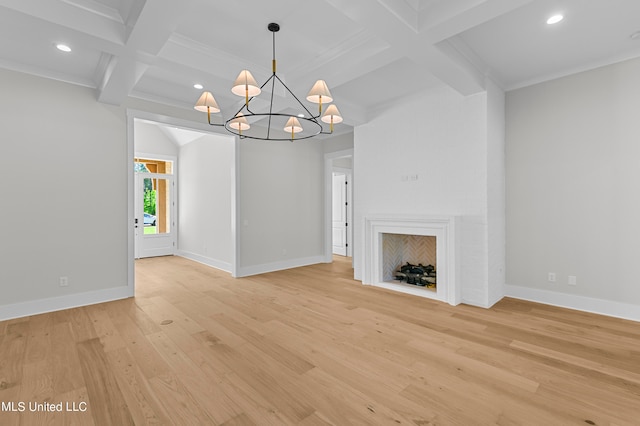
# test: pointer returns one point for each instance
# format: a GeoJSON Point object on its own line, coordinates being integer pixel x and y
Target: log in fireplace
{"type": "Point", "coordinates": [420, 275]}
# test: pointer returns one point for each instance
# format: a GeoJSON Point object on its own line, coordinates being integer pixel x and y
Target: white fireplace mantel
{"type": "Point", "coordinates": [441, 227]}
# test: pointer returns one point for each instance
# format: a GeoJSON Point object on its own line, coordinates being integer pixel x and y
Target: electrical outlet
{"type": "Point", "coordinates": [552, 277]}
{"type": "Point", "coordinates": [64, 281]}
{"type": "Point", "coordinates": [572, 280]}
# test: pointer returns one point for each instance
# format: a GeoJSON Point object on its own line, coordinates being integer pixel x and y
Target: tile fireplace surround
{"type": "Point", "coordinates": [443, 228]}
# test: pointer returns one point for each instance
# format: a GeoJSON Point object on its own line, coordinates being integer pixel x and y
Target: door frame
{"type": "Point", "coordinates": [328, 187]}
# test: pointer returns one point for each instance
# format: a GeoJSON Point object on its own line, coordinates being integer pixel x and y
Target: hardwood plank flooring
{"type": "Point", "coordinates": [311, 346]}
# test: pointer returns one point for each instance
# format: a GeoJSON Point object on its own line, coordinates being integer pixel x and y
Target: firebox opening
{"type": "Point", "coordinates": [410, 259]}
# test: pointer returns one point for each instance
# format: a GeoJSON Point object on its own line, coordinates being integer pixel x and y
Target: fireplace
{"type": "Point", "coordinates": [427, 242]}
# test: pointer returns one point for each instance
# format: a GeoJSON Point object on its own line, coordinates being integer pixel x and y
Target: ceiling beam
{"type": "Point", "coordinates": [453, 18]}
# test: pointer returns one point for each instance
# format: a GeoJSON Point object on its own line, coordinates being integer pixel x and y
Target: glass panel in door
{"type": "Point", "coordinates": [156, 206]}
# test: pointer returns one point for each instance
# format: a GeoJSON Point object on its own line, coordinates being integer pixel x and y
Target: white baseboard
{"type": "Point", "coordinates": [572, 301]}
{"type": "Point", "coordinates": [51, 304]}
{"type": "Point", "coordinates": [279, 266]}
{"type": "Point", "coordinates": [214, 263]}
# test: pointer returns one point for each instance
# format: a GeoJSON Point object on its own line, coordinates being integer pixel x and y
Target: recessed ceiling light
{"type": "Point", "coordinates": [198, 86]}
{"type": "Point", "coordinates": [63, 47]}
{"type": "Point", "coordinates": [301, 115]}
{"type": "Point", "coordinates": [555, 19]}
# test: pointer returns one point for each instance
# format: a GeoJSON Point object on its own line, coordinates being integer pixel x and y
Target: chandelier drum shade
{"type": "Point", "coordinates": [266, 120]}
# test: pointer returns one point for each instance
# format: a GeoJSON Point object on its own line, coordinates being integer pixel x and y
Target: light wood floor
{"type": "Point", "coordinates": [311, 346]}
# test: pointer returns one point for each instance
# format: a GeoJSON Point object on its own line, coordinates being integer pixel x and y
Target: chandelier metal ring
{"type": "Point", "coordinates": [312, 121]}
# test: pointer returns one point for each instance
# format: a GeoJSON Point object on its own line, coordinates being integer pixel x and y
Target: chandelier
{"type": "Point", "coordinates": [269, 122]}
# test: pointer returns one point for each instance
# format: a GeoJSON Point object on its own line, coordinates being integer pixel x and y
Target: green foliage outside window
{"type": "Point", "coordinates": [149, 199]}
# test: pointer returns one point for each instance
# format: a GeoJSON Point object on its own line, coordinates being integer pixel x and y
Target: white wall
{"type": "Point", "coordinates": [573, 185]}
{"type": "Point", "coordinates": [343, 163]}
{"type": "Point", "coordinates": [63, 190]}
{"type": "Point", "coordinates": [206, 169]}
{"type": "Point", "coordinates": [280, 205]}
{"type": "Point", "coordinates": [338, 143]}
{"type": "Point", "coordinates": [149, 139]}
{"type": "Point", "coordinates": [445, 143]}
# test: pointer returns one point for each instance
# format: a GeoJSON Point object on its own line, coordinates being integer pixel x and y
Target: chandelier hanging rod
{"type": "Point", "coordinates": [246, 86]}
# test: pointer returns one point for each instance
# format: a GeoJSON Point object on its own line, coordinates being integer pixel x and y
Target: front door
{"type": "Point", "coordinates": [155, 215]}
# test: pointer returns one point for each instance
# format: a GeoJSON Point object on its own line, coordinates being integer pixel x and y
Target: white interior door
{"type": "Point", "coordinates": [155, 215]}
{"type": "Point", "coordinates": [339, 208]}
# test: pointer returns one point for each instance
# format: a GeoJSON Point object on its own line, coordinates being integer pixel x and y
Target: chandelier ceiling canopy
{"type": "Point", "coordinates": [292, 121]}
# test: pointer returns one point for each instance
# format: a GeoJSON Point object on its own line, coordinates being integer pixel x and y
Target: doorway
{"type": "Point", "coordinates": [154, 136]}
{"type": "Point", "coordinates": [339, 190]}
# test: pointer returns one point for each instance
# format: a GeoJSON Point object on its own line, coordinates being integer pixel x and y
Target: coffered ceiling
{"type": "Point", "coordinates": [370, 52]}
